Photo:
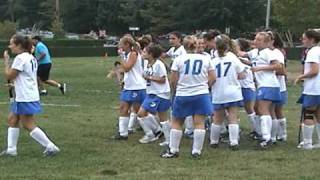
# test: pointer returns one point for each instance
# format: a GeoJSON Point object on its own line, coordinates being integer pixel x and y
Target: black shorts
{"type": "Point", "coordinates": [44, 71]}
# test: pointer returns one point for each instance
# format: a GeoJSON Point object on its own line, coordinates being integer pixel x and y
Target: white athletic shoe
{"type": "Point", "coordinates": [300, 145]}
{"type": "Point", "coordinates": [316, 146]}
{"type": "Point", "coordinates": [164, 144]}
{"type": "Point", "coordinates": [147, 139]}
{"type": "Point", "coordinates": [9, 153]}
{"type": "Point", "coordinates": [305, 146]}
{"type": "Point", "coordinates": [51, 150]}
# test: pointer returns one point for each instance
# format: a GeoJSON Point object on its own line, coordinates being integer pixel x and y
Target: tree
{"type": "Point", "coordinates": [7, 29]}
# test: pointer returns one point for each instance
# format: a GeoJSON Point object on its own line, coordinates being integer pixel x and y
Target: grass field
{"type": "Point", "coordinates": [82, 132]}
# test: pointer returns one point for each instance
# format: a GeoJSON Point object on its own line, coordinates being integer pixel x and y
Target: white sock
{"type": "Point", "coordinates": [307, 134]}
{"type": "Point", "coordinates": [318, 131]}
{"type": "Point", "coordinates": [59, 85]}
{"type": "Point", "coordinates": [266, 124]}
{"type": "Point", "coordinates": [175, 138]}
{"type": "Point", "coordinates": [223, 127]}
{"type": "Point", "coordinates": [198, 140]}
{"type": "Point", "coordinates": [132, 120]}
{"type": "Point", "coordinates": [147, 130]}
{"type": "Point", "coordinates": [38, 135]}
{"type": "Point", "coordinates": [233, 134]}
{"type": "Point", "coordinates": [252, 121]}
{"type": "Point", "coordinates": [215, 133]}
{"type": "Point", "coordinates": [166, 130]}
{"type": "Point", "coordinates": [274, 130]}
{"type": "Point", "coordinates": [258, 124]}
{"type": "Point", "coordinates": [153, 123]}
{"type": "Point", "coordinates": [123, 126]}
{"type": "Point", "coordinates": [13, 136]}
{"type": "Point", "coordinates": [283, 128]}
{"type": "Point", "coordinates": [188, 123]}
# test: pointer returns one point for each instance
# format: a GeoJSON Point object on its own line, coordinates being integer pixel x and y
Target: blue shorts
{"type": "Point", "coordinates": [154, 104]}
{"type": "Point", "coordinates": [284, 98]}
{"type": "Point", "coordinates": [269, 94]}
{"type": "Point", "coordinates": [309, 100]}
{"type": "Point", "coordinates": [248, 94]}
{"type": "Point", "coordinates": [184, 106]}
{"type": "Point", "coordinates": [226, 105]}
{"type": "Point", "coordinates": [133, 96]}
{"type": "Point", "coordinates": [26, 108]}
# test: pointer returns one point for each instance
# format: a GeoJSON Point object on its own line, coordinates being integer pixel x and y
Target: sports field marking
{"type": "Point", "coordinates": [49, 104]}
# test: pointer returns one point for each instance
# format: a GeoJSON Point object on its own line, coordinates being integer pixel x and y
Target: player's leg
{"type": "Point", "coordinates": [216, 126]}
{"type": "Point", "coordinates": [233, 127]}
{"type": "Point", "coordinates": [12, 136]}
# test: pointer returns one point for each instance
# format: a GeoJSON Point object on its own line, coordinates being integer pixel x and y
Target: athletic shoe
{"type": "Point", "coordinates": [316, 146]}
{"type": "Point", "coordinates": [63, 88]}
{"type": "Point", "coordinates": [164, 144]}
{"type": "Point", "coordinates": [234, 147]}
{"type": "Point", "coordinates": [158, 134]}
{"type": "Point", "coordinates": [147, 139]}
{"type": "Point", "coordinates": [169, 154]}
{"type": "Point", "coordinates": [43, 93]}
{"type": "Point", "coordinates": [51, 150]}
{"type": "Point", "coordinates": [195, 155]}
{"type": "Point", "coordinates": [257, 137]}
{"type": "Point", "coordinates": [214, 146]}
{"type": "Point", "coordinates": [188, 134]}
{"type": "Point", "coordinates": [263, 144]}
{"type": "Point", "coordinates": [300, 145]}
{"type": "Point", "coordinates": [119, 137]}
{"type": "Point", "coordinates": [8, 154]}
{"type": "Point", "coordinates": [306, 146]}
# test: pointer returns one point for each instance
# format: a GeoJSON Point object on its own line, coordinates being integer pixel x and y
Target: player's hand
{"type": "Point", "coordinates": [6, 55]}
{"type": "Point", "coordinates": [298, 79]}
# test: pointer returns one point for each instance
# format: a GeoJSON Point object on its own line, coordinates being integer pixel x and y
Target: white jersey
{"type": "Point", "coordinates": [193, 74]}
{"type": "Point", "coordinates": [248, 81]}
{"type": "Point", "coordinates": [158, 69]}
{"type": "Point", "coordinates": [281, 78]}
{"type": "Point", "coordinates": [312, 85]}
{"type": "Point", "coordinates": [227, 86]}
{"type": "Point", "coordinates": [265, 78]}
{"type": "Point", "coordinates": [173, 52]}
{"type": "Point", "coordinates": [133, 79]}
{"type": "Point", "coordinates": [213, 53]}
{"type": "Point", "coordinates": [26, 85]}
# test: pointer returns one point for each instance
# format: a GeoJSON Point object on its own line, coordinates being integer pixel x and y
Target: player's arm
{"type": "Point", "coordinates": [41, 56]}
{"type": "Point", "coordinates": [211, 78]}
{"type": "Point", "coordinates": [160, 80]}
{"type": "Point", "coordinates": [174, 80]}
{"type": "Point", "coordinates": [314, 70]}
{"type": "Point", "coordinates": [132, 59]}
{"type": "Point", "coordinates": [274, 66]}
{"type": "Point", "coordinates": [10, 73]}
{"type": "Point", "coordinates": [281, 70]}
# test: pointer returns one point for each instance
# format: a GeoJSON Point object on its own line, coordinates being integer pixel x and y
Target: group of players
{"type": "Point", "coordinates": [211, 77]}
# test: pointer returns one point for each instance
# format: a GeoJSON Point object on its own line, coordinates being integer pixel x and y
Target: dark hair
{"type": "Point", "coordinates": [117, 63]}
{"type": "Point", "coordinates": [38, 38]}
{"type": "Point", "coordinates": [177, 34]}
{"type": "Point", "coordinates": [211, 34]}
{"type": "Point", "coordinates": [244, 44]}
{"type": "Point", "coordinates": [24, 41]}
{"type": "Point", "coordinates": [144, 42]}
{"type": "Point", "coordinates": [155, 50]}
{"type": "Point", "coordinates": [222, 44]}
{"type": "Point", "coordinates": [312, 34]}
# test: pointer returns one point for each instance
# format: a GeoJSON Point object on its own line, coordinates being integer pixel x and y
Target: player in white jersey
{"type": "Point", "coordinates": [209, 41]}
{"type": "Point", "coordinates": [264, 67]}
{"type": "Point", "coordinates": [23, 73]}
{"type": "Point", "coordinates": [177, 49]}
{"type": "Point", "coordinates": [226, 92]}
{"type": "Point", "coordinates": [191, 76]}
{"type": "Point", "coordinates": [310, 98]}
{"type": "Point", "coordinates": [248, 88]}
{"type": "Point", "coordinates": [158, 95]}
{"type": "Point", "coordinates": [279, 130]}
{"type": "Point", "coordinates": [134, 88]}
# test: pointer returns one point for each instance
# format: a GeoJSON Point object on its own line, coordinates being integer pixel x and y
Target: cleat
{"type": "Point", "coordinates": [164, 144]}
{"type": "Point", "coordinates": [51, 150]}
{"type": "Point", "coordinates": [214, 145]}
{"type": "Point", "coordinates": [119, 137]}
{"type": "Point", "coordinates": [63, 88]}
{"type": "Point", "coordinates": [263, 145]}
{"type": "Point", "coordinates": [195, 156]}
{"type": "Point", "coordinates": [188, 134]}
{"type": "Point", "coordinates": [158, 134]}
{"type": "Point", "coordinates": [307, 146]}
{"type": "Point", "coordinates": [169, 154]}
{"type": "Point", "coordinates": [8, 154]}
{"type": "Point", "coordinates": [316, 146]}
{"type": "Point", "coordinates": [147, 139]}
{"type": "Point", "coordinates": [234, 147]}
{"type": "Point", "coordinates": [43, 93]}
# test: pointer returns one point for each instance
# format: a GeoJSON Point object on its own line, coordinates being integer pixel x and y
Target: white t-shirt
{"type": "Point", "coordinates": [158, 69]}
{"type": "Point", "coordinates": [248, 81]}
{"type": "Point", "coordinates": [227, 86]}
{"type": "Point", "coordinates": [265, 78]}
{"type": "Point", "coordinates": [281, 78]}
{"type": "Point", "coordinates": [173, 53]}
{"type": "Point", "coordinates": [26, 85]}
{"type": "Point", "coordinates": [133, 79]}
{"type": "Point", "coordinates": [312, 85]}
{"type": "Point", "coordinates": [193, 74]}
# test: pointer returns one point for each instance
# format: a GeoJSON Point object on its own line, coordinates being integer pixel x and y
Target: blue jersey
{"type": "Point", "coordinates": [39, 49]}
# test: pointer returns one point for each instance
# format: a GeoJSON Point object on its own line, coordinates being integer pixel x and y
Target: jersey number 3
{"type": "Point", "coordinates": [196, 67]}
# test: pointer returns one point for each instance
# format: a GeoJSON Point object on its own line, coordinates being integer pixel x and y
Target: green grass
{"type": "Point", "coordinates": [82, 134]}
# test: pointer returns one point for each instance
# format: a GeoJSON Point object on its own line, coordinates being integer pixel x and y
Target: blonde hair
{"type": "Point", "coordinates": [267, 37]}
{"type": "Point", "coordinates": [223, 44]}
{"type": "Point", "coordinates": [190, 43]}
{"type": "Point", "coordinates": [131, 42]}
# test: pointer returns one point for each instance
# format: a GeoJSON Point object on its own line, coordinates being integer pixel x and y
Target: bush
{"type": "Point", "coordinates": [7, 29]}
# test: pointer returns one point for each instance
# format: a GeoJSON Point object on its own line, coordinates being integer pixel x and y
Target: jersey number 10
{"type": "Point", "coordinates": [196, 67]}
